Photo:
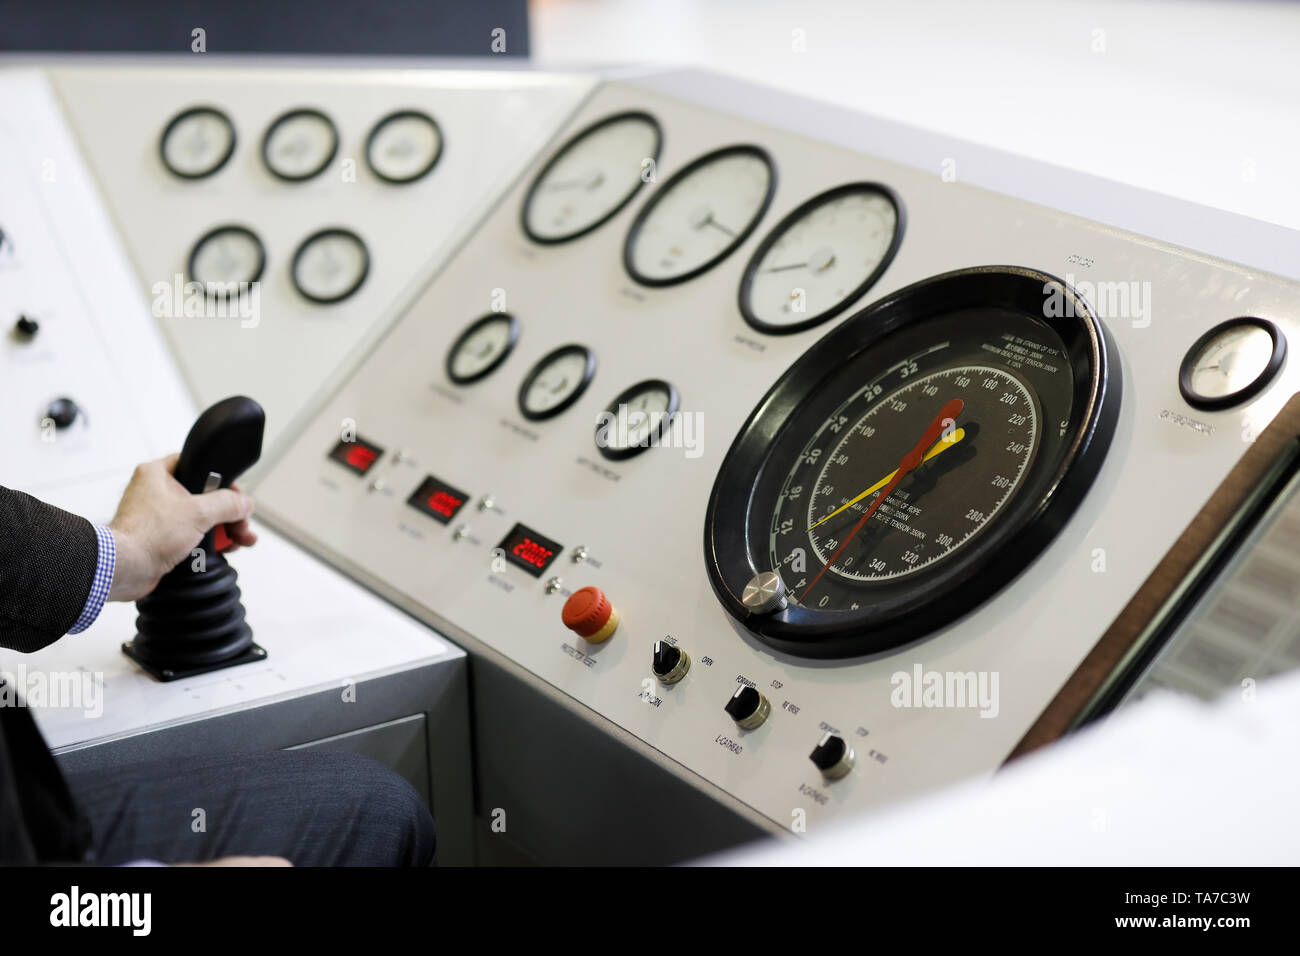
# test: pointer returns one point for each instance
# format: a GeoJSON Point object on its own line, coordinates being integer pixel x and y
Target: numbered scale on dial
{"type": "Point", "coordinates": [911, 463]}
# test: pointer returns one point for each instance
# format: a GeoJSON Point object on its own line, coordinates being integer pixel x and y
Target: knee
{"type": "Point", "coordinates": [392, 826]}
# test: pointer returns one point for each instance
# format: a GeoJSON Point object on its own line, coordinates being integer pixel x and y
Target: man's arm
{"type": "Point", "coordinates": [48, 558]}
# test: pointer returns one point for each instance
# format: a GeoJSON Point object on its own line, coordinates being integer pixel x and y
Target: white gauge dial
{"type": "Point", "coordinates": [197, 142]}
{"type": "Point", "coordinates": [225, 258]}
{"type": "Point", "coordinates": [700, 216]}
{"type": "Point", "coordinates": [330, 265]}
{"type": "Point", "coordinates": [591, 178]}
{"type": "Point", "coordinates": [556, 382]}
{"type": "Point", "coordinates": [637, 419]}
{"type": "Point", "coordinates": [403, 146]}
{"type": "Point", "coordinates": [1231, 362]}
{"type": "Point", "coordinates": [300, 144]}
{"type": "Point", "coordinates": [481, 347]}
{"type": "Point", "coordinates": [820, 258]}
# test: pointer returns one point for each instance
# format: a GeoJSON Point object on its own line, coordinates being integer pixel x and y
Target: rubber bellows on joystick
{"type": "Point", "coordinates": [193, 621]}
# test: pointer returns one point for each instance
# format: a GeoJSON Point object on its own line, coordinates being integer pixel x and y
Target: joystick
{"type": "Point", "coordinates": [193, 622]}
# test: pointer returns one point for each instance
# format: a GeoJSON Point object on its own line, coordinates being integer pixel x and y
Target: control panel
{"type": "Point", "coordinates": [688, 331]}
{"type": "Point", "coordinates": [274, 215]}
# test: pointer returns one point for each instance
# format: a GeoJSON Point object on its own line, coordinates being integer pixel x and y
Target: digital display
{"type": "Point", "coordinates": [438, 499]}
{"type": "Point", "coordinates": [357, 455]}
{"type": "Point", "coordinates": [525, 548]}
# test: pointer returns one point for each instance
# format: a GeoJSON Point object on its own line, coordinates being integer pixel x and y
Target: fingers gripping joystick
{"type": "Point", "coordinates": [193, 622]}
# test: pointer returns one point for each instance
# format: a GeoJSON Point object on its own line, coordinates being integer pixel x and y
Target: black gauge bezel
{"type": "Point", "coordinates": [633, 232]}
{"type": "Point", "coordinates": [322, 234]}
{"type": "Point", "coordinates": [589, 372]}
{"type": "Point", "coordinates": [512, 326]}
{"type": "Point", "coordinates": [212, 234]}
{"type": "Point", "coordinates": [392, 118]}
{"type": "Point", "coordinates": [674, 406]}
{"type": "Point", "coordinates": [744, 298]}
{"type": "Point", "coordinates": [180, 118]}
{"type": "Point", "coordinates": [280, 121]}
{"type": "Point", "coordinates": [987, 563]}
{"type": "Point", "coordinates": [1212, 403]}
{"type": "Point", "coordinates": [569, 145]}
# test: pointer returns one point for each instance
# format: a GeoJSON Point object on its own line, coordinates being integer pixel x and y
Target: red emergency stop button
{"type": "Point", "coordinates": [589, 614]}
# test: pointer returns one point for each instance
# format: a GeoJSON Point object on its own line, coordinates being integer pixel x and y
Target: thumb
{"type": "Point", "coordinates": [223, 506]}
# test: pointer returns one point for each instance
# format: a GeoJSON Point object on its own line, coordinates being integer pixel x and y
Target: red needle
{"type": "Point", "coordinates": [913, 458]}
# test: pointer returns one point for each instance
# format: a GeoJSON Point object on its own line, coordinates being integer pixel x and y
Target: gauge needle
{"type": "Point", "coordinates": [908, 464]}
{"type": "Point", "coordinates": [942, 445]}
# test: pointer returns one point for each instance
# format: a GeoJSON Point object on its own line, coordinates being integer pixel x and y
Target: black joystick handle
{"type": "Point", "coordinates": [194, 620]}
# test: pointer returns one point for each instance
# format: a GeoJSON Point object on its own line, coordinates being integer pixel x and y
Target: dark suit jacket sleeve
{"type": "Point", "coordinates": [47, 565]}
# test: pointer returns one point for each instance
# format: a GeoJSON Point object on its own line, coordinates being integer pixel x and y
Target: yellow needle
{"type": "Point", "coordinates": [943, 444]}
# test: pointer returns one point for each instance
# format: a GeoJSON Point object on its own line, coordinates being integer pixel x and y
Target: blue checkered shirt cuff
{"type": "Point", "coordinates": [103, 582]}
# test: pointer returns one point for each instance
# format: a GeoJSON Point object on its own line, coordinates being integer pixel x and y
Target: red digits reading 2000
{"type": "Point", "coordinates": [444, 503]}
{"type": "Point", "coordinates": [532, 552]}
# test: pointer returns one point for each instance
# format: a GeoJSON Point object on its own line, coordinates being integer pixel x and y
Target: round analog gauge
{"type": "Point", "coordinates": [482, 347]}
{"type": "Point", "coordinates": [821, 258]}
{"type": "Point", "coordinates": [227, 259]}
{"type": "Point", "coordinates": [557, 381]}
{"type": "Point", "coordinates": [637, 419]}
{"type": "Point", "coordinates": [197, 142]}
{"type": "Point", "coordinates": [699, 216]}
{"type": "Point", "coordinates": [330, 265]}
{"type": "Point", "coordinates": [1231, 363]}
{"type": "Point", "coordinates": [300, 144]}
{"type": "Point", "coordinates": [911, 463]}
{"type": "Point", "coordinates": [404, 146]}
{"type": "Point", "coordinates": [592, 177]}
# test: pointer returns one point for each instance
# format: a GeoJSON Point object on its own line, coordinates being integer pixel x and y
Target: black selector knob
{"type": "Point", "coordinates": [669, 662]}
{"type": "Point", "coordinates": [832, 756]}
{"type": "Point", "coordinates": [26, 328]}
{"type": "Point", "coordinates": [748, 707]}
{"type": "Point", "coordinates": [193, 622]}
{"type": "Point", "coordinates": [63, 411]}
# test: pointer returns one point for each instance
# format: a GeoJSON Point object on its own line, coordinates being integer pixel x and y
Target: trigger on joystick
{"type": "Point", "coordinates": [193, 622]}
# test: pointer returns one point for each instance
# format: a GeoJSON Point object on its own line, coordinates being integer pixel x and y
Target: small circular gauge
{"type": "Point", "coordinates": [299, 145]}
{"type": "Point", "coordinates": [404, 146]}
{"type": "Point", "coordinates": [1231, 363]}
{"type": "Point", "coordinates": [637, 419]}
{"type": "Point", "coordinates": [912, 462]}
{"type": "Point", "coordinates": [330, 265]}
{"type": "Point", "coordinates": [594, 175]}
{"type": "Point", "coordinates": [482, 347]}
{"type": "Point", "coordinates": [557, 381]}
{"type": "Point", "coordinates": [197, 142]}
{"type": "Point", "coordinates": [699, 216]}
{"type": "Point", "coordinates": [227, 258]}
{"type": "Point", "coordinates": [821, 258]}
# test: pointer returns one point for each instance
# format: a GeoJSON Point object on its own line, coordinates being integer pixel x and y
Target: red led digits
{"type": "Point", "coordinates": [438, 499]}
{"type": "Point", "coordinates": [525, 548]}
{"type": "Point", "coordinates": [357, 455]}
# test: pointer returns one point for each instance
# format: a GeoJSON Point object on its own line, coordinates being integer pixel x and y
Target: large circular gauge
{"type": "Point", "coordinates": [1232, 362]}
{"type": "Point", "coordinates": [330, 265]}
{"type": "Point", "coordinates": [197, 142]}
{"type": "Point", "coordinates": [557, 381]}
{"type": "Point", "coordinates": [482, 347]}
{"type": "Point", "coordinates": [637, 419]}
{"type": "Point", "coordinates": [299, 145]}
{"type": "Point", "coordinates": [592, 177]}
{"type": "Point", "coordinates": [821, 258]}
{"type": "Point", "coordinates": [404, 146]}
{"type": "Point", "coordinates": [226, 258]}
{"type": "Point", "coordinates": [699, 216]}
{"type": "Point", "coordinates": [912, 462]}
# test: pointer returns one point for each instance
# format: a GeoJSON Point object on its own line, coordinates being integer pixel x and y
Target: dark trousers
{"type": "Point", "coordinates": [316, 809]}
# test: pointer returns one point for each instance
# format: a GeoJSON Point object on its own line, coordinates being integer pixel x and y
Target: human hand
{"type": "Point", "coordinates": [158, 523]}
